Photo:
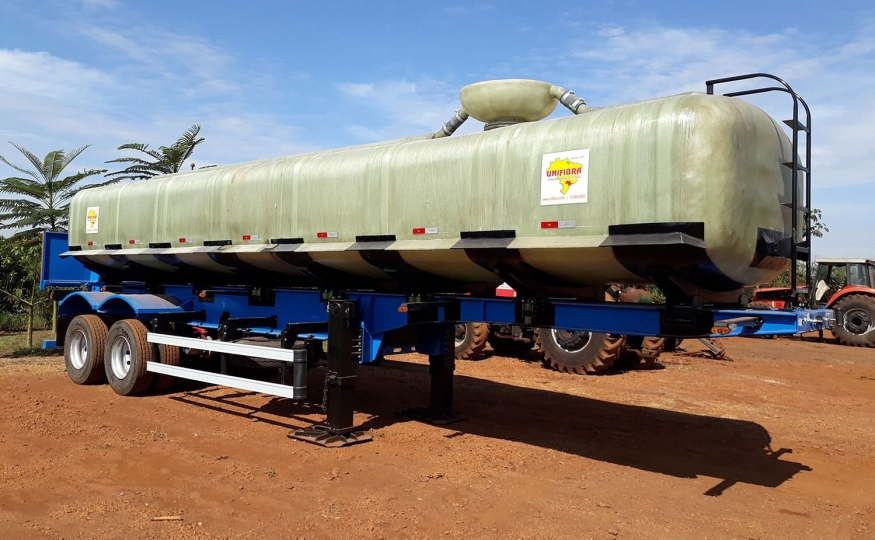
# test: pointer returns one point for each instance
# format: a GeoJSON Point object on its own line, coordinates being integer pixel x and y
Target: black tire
{"type": "Point", "coordinates": [125, 358]}
{"type": "Point", "coordinates": [856, 327]}
{"type": "Point", "coordinates": [588, 353]}
{"type": "Point", "coordinates": [84, 344]}
{"type": "Point", "coordinates": [641, 352]}
{"type": "Point", "coordinates": [509, 347]}
{"type": "Point", "coordinates": [471, 340]}
{"type": "Point", "coordinates": [170, 355]}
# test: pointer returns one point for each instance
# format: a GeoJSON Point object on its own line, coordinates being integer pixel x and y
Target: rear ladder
{"type": "Point", "coordinates": [799, 251]}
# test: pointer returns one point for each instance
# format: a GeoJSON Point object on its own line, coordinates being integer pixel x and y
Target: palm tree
{"type": "Point", "coordinates": [42, 199]}
{"type": "Point", "coordinates": [165, 160]}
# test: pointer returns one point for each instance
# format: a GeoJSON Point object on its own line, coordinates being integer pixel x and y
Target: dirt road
{"type": "Point", "coordinates": [779, 443]}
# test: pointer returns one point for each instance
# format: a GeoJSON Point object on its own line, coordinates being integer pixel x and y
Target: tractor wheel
{"type": "Point", "coordinates": [471, 340]}
{"type": "Point", "coordinates": [642, 352]}
{"type": "Point", "coordinates": [125, 358]}
{"type": "Point", "coordinates": [857, 324]}
{"type": "Point", "coordinates": [83, 349]}
{"type": "Point", "coordinates": [578, 352]}
{"type": "Point", "coordinates": [504, 346]}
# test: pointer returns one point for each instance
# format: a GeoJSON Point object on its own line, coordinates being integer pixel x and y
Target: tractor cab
{"type": "Point", "coordinates": [836, 274]}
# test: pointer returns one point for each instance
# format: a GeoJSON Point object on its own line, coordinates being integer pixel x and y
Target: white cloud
{"type": "Point", "coordinates": [162, 86]}
{"type": "Point", "coordinates": [39, 73]}
{"type": "Point", "coordinates": [169, 56]}
{"type": "Point", "coordinates": [406, 108]}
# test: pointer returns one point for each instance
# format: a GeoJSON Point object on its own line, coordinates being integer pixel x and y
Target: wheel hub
{"type": "Point", "coordinates": [571, 341]}
{"type": "Point", "coordinates": [120, 357]}
{"type": "Point", "coordinates": [857, 321]}
{"type": "Point", "coordinates": [461, 332]}
{"type": "Point", "coordinates": [78, 349]}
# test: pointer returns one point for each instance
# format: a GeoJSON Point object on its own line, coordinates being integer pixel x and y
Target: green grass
{"type": "Point", "coordinates": [14, 344]}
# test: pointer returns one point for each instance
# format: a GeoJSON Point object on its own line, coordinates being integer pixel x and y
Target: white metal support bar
{"type": "Point", "coordinates": [255, 351]}
{"type": "Point", "coordinates": [240, 383]}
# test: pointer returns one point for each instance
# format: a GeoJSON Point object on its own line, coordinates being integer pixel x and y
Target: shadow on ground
{"type": "Point", "coordinates": [667, 442]}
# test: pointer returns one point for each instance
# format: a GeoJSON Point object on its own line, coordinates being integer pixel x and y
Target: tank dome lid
{"type": "Point", "coordinates": [508, 100]}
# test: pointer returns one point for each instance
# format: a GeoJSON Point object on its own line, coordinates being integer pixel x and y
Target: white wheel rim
{"type": "Point", "coordinates": [561, 340]}
{"type": "Point", "coordinates": [78, 349]}
{"type": "Point", "coordinates": [461, 334]}
{"type": "Point", "coordinates": [120, 357]}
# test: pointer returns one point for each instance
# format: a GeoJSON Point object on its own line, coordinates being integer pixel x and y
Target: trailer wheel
{"type": "Point", "coordinates": [83, 349]}
{"type": "Point", "coordinates": [578, 352]}
{"type": "Point", "coordinates": [170, 355]}
{"type": "Point", "coordinates": [856, 327]}
{"type": "Point", "coordinates": [471, 340]}
{"type": "Point", "coordinates": [125, 358]}
{"type": "Point", "coordinates": [509, 347]}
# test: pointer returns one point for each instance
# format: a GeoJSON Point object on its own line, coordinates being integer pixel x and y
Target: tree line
{"type": "Point", "coordinates": [38, 199]}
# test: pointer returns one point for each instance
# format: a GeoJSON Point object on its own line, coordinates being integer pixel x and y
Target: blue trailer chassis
{"type": "Point", "coordinates": [378, 323]}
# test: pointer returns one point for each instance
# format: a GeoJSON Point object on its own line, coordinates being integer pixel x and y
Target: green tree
{"type": "Point", "coordinates": [19, 278]}
{"type": "Point", "coordinates": [41, 198]}
{"type": "Point", "coordinates": [818, 227]}
{"type": "Point", "coordinates": [165, 160]}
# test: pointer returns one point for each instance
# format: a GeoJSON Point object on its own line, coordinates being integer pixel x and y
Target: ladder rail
{"type": "Point", "coordinates": [795, 127]}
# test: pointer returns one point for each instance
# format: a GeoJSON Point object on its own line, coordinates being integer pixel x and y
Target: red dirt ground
{"type": "Point", "coordinates": [779, 443]}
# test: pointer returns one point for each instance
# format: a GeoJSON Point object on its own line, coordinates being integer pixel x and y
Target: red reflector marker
{"type": "Point", "coordinates": [321, 235]}
{"type": "Point", "coordinates": [558, 224]}
{"type": "Point", "coordinates": [419, 230]}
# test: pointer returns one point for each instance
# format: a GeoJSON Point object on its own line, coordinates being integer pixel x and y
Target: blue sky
{"type": "Point", "coordinates": [275, 78]}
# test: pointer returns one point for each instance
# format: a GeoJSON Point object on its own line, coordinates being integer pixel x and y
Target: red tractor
{"type": "Point", "coordinates": [847, 285]}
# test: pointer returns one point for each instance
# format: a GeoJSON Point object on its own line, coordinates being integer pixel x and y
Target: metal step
{"type": "Point", "coordinates": [799, 166]}
{"type": "Point", "coordinates": [798, 126]}
{"type": "Point", "coordinates": [802, 209]}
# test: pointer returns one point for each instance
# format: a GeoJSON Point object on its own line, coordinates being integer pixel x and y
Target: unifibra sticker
{"type": "Point", "coordinates": [564, 177]}
{"type": "Point", "coordinates": [92, 215]}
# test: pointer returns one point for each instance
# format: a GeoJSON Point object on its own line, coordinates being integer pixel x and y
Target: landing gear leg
{"type": "Point", "coordinates": [339, 390]}
{"type": "Point", "coordinates": [717, 352]}
{"type": "Point", "coordinates": [441, 365]}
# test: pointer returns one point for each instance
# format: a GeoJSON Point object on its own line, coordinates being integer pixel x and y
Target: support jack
{"type": "Point", "coordinates": [440, 368]}
{"type": "Point", "coordinates": [344, 349]}
{"type": "Point", "coordinates": [327, 437]}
